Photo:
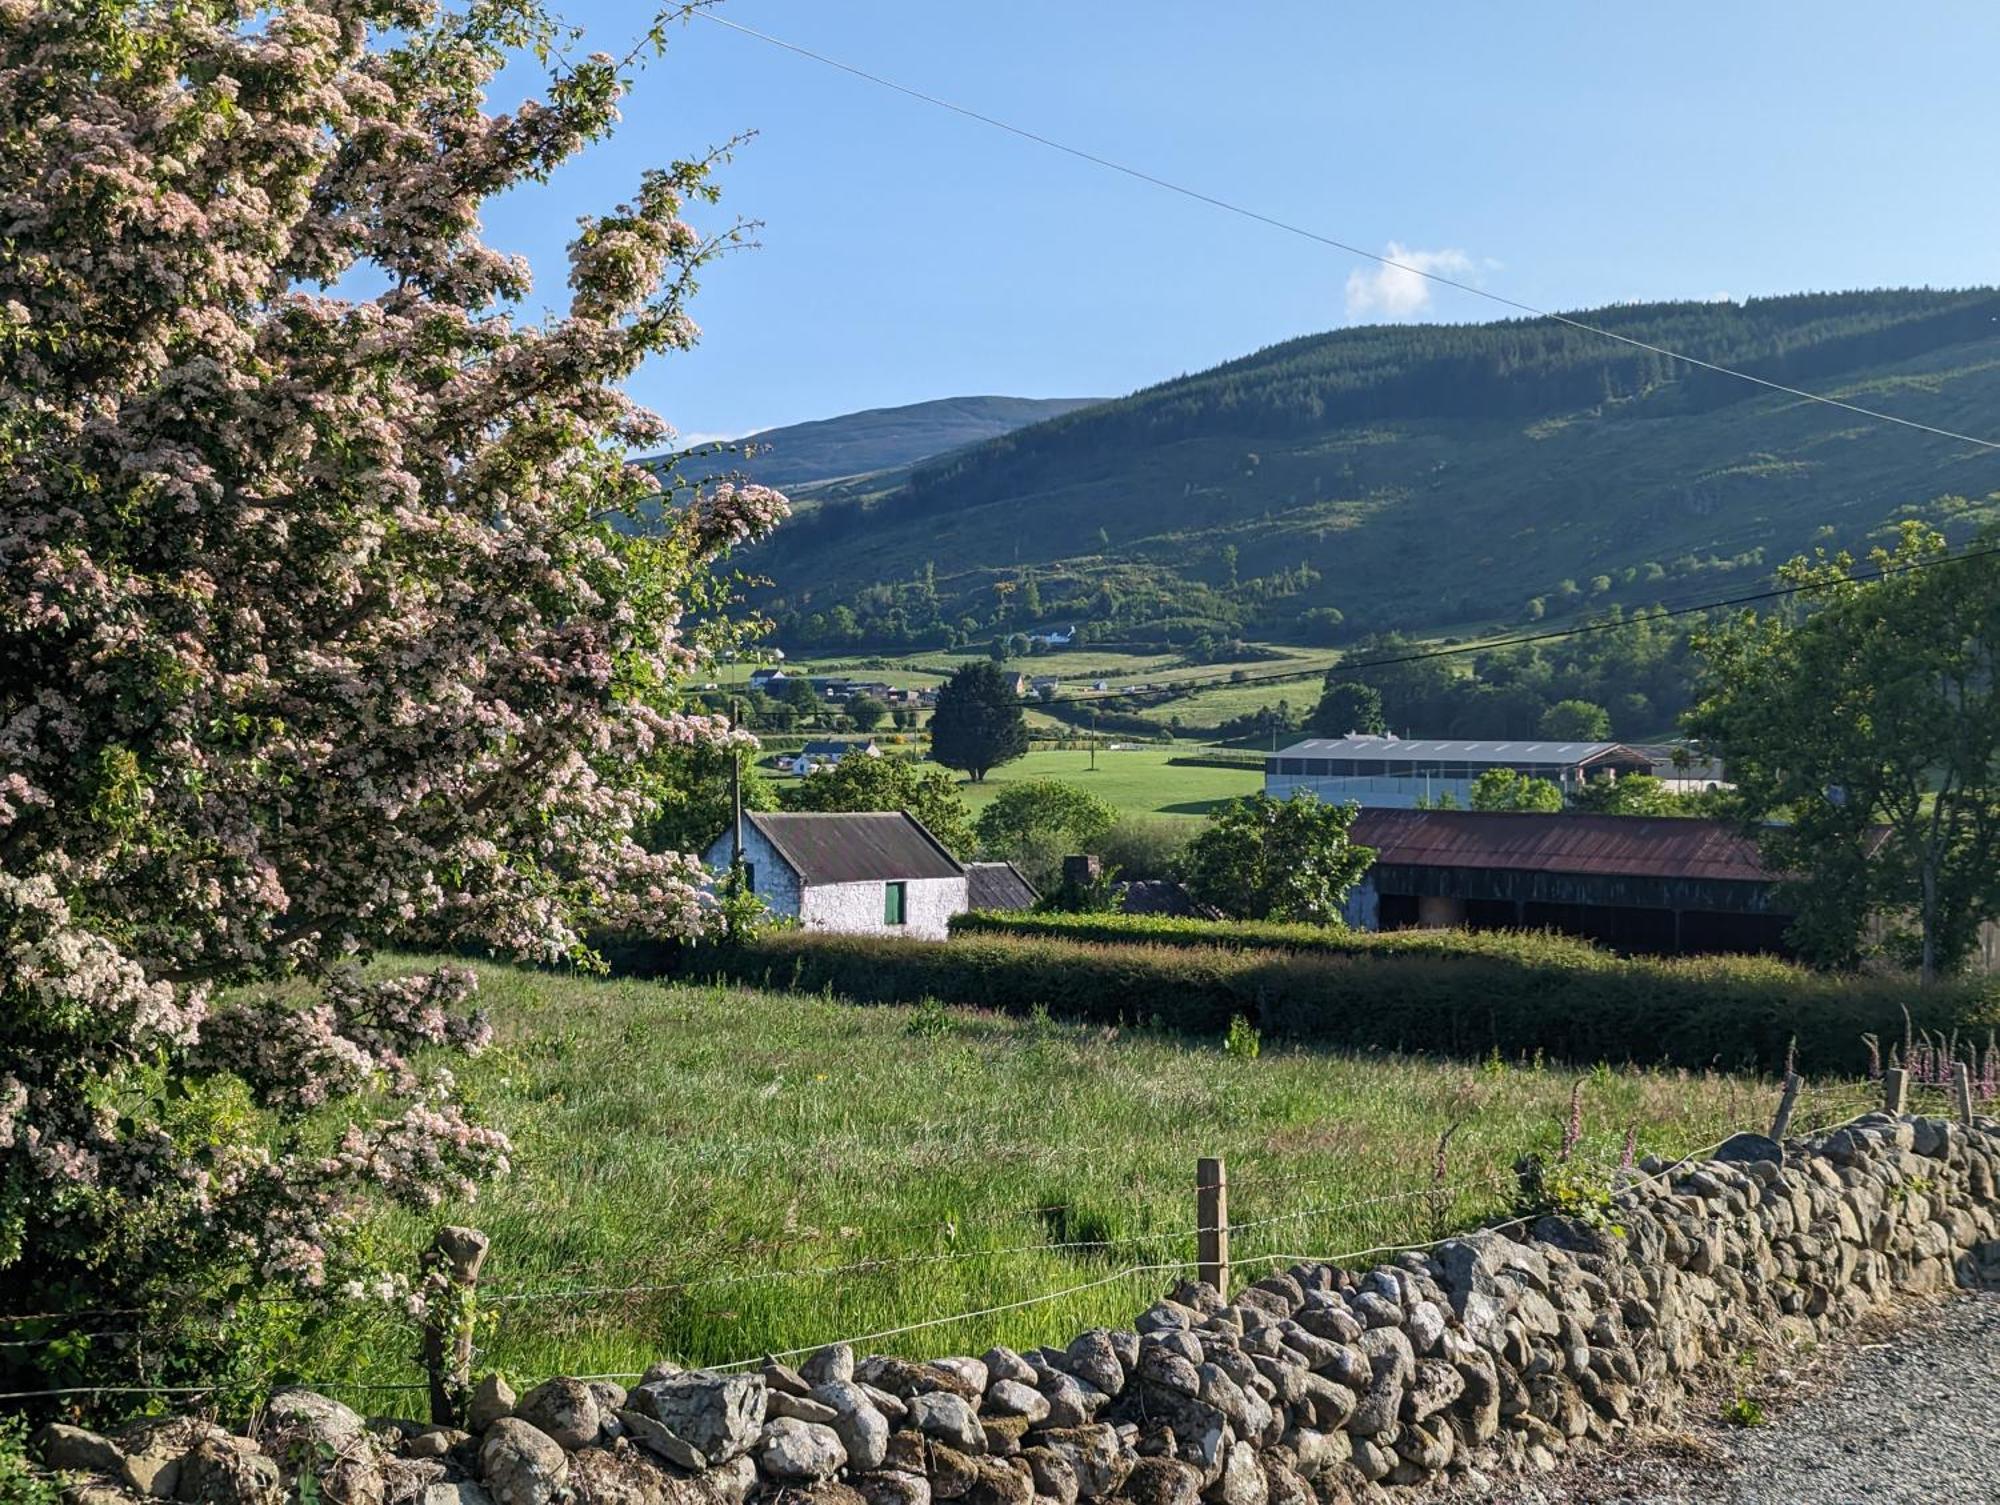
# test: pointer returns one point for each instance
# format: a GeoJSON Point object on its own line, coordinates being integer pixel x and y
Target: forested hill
{"type": "Point", "coordinates": [879, 439]}
{"type": "Point", "coordinates": [1419, 476]}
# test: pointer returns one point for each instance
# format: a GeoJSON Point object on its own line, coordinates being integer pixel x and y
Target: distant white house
{"type": "Point", "coordinates": [827, 754]}
{"type": "Point", "coordinates": [877, 873]}
{"type": "Point", "coordinates": [1060, 639]}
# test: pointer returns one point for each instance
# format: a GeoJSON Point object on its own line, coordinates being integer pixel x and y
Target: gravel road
{"type": "Point", "coordinates": [1907, 1412]}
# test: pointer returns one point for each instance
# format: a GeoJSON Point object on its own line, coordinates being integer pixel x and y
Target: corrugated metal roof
{"type": "Point", "coordinates": [1636, 846]}
{"type": "Point", "coordinates": [851, 847]}
{"type": "Point", "coordinates": [1423, 750]}
{"type": "Point", "coordinates": [997, 885]}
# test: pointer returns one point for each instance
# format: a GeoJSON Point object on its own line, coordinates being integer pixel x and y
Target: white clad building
{"type": "Point", "coordinates": [876, 873]}
{"type": "Point", "coordinates": [1398, 773]}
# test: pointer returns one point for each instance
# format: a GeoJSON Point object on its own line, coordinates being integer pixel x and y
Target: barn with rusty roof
{"type": "Point", "coordinates": [1636, 883]}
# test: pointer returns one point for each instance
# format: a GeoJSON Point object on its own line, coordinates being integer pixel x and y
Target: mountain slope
{"type": "Point", "coordinates": [879, 439]}
{"type": "Point", "coordinates": [1419, 476]}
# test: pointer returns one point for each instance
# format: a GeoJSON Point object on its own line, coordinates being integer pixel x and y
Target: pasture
{"type": "Point", "coordinates": [1133, 781]}
{"type": "Point", "coordinates": [714, 1174]}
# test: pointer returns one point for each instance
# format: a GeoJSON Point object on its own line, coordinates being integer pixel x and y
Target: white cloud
{"type": "Point", "coordinates": [1401, 291]}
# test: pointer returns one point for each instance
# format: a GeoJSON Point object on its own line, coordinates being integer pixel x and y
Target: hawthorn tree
{"type": "Point", "coordinates": [1510, 789]}
{"type": "Point", "coordinates": [326, 620]}
{"type": "Point", "coordinates": [1035, 824]}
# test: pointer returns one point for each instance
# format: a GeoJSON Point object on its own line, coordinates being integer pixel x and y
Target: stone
{"type": "Point", "coordinates": [433, 1442]}
{"type": "Point", "coordinates": [834, 1363]}
{"type": "Point", "coordinates": [150, 1453]}
{"type": "Point", "coordinates": [1005, 1364]}
{"type": "Point", "coordinates": [522, 1465]}
{"type": "Point", "coordinates": [660, 1369]}
{"type": "Point", "coordinates": [951, 1472]}
{"type": "Point", "coordinates": [1093, 1359]}
{"type": "Point", "coordinates": [968, 1377]}
{"type": "Point", "coordinates": [798, 1408]}
{"type": "Point", "coordinates": [894, 1489]}
{"type": "Point", "coordinates": [661, 1441]}
{"type": "Point", "coordinates": [563, 1408]}
{"type": "Point", "coordinates": [72, 1449]}
{"type": "Point", "coordinates": [1436, 1385]}
{"type": "Point", "coordinates": [1159, 1365]}
{"type": "Point", "coordinates": [1053, 1475]}
{"type": "Point", "coordinates": [794, 1451]}
{"type": "Point", "coordinates": [949, 1419]}
{"type": "Point", "coordinates": [892, 1406]}
{"type": "Point", "coordinates": [1071, 1402]}
{"type": "Point", "coordinates": [719, 1416]}
{"type": "Point", "coordinates": [466, 1492]}
{"type": "Point", "coordinates": [230, 1471]}
{"type": "Point", "coordinates": [609, 1395]}
{"type": "Point", "coordinates": [1163, 1481]}
{"type": "Point", "coordinates": [1242, 1481]}
{"type": "Point", "coordinates": [491, 1399]}
{"type": "Point", "coordinates": [782, 1379]}
{"type": "Point", "coordinates": [1097, 1455]}
{"type": "Point", "coordinates": [998, 1481]}
{"type": "Point", "coordinates": [859, 1423]}
{"type": "Point", "coordinates": [1012, 1398]}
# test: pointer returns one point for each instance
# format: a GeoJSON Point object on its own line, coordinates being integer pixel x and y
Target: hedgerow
{"type": "Point", "coordinates": [1516, 995]}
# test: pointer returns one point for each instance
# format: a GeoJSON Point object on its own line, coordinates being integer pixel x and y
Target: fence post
{"type": "Point", "coordinates": [1962, 1081]}
{"type": "Point", "coordinates": [450, 1276]}
{"type": "Point", "coordinates": [1895, 1089]}
{"type": "Point", "coordinates": [1211, 1204]}
{"type": "Point", "coordinates": [1785, 1105]}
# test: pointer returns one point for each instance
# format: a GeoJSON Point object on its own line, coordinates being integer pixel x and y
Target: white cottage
{"type": "Point", "coordinates": [877, 873]}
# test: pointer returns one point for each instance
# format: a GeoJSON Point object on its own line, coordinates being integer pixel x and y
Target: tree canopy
{"type": "Point", "coordinates": [1268, 859]}
{"type": "Point", "coordinates": [858, 782]}
{"type": "Point", "coordinates": [1036, 823]}
{"type": "Point", "coordinates": [1861, 729]}
{"type": "Point", "coordinates": [1348, 706]}
{"type": "Point", "coordinates": [977, 724]}
{"type": "Point", "coordinates": [329, 621]}
{"type": "Point", "coordinates": [1509, 789]}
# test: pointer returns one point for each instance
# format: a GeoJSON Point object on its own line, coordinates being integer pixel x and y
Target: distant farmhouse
{"type": "Point", "coordinates": [876, 873]}
{"type": "Point", "coordinates": [1395, 773]}
{"type": "Point", "coordinates": [827, 754]}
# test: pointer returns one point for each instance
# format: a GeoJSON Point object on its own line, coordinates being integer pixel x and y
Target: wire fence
{"type": "Point", "coordinates": [1144, 1254]}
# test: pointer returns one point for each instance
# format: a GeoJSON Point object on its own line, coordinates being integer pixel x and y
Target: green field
{"type": "Point", "coordinates": [689, 1160]}
{"type": "Point", "coordinates": [1135, 781]}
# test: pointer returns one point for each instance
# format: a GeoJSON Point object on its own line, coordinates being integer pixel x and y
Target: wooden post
{"type": "Point", "coordinates": [1961, 1076]}
{"type": "Point", "coordinates": [1211, 1203]}
{"type": "Point", "coordinates": [1785, 1105]}
{"type": "Point", "coordinates": [451, 1274]}
{"type": "Point", "coordinates": [1895, 1089]}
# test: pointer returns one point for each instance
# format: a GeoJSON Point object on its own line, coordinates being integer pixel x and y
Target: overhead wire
{"type": "Point", "coordinates": [1274, 222]}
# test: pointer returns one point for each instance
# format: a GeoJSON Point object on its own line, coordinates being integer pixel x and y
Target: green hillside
{"type": "Point", "coordinates": [800, 455]}
{"type": "Point", "coordinates": [1418, 477]}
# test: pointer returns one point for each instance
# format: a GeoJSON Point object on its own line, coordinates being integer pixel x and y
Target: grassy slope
{"type": "Point", "coordinates": [670, 1134]}
{"type": "Point", "coordinates": [1420, 521]}
{"type": "Point", "coordinates": [1136, 782]}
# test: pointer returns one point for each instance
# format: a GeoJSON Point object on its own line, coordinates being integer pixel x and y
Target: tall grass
{"type": "Point", "coordinates": [716, 1147]}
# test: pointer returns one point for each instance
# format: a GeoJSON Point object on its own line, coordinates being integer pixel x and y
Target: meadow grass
{"type": "Point", "coordinates": [1135, 781]}
{"type": "Point", "coordinates": [718, 1145]}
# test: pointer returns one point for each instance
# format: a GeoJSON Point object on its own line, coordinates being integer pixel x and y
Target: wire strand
{"type": "Point", "coordinates": [1258, 216]}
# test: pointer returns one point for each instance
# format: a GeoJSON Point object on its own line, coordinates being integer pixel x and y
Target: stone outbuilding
{"type": "Point", "coordinates": [870, 873]}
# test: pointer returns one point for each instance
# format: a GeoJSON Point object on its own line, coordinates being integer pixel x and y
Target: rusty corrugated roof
{"type": "Point", "coordinates": [1637, 846]}
{"type": "Point", "coordinates": [851, 847]}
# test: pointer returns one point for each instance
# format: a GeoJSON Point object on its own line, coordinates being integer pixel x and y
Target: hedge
{"type": "Point", "coordinates": [1540, 947]}
{"type": "Point", "coordinates": [1565, 999]}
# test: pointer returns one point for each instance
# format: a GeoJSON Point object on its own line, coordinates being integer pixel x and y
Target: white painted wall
{"type": "Point", "coordinates": [857, 908]}
{"type": "Point", "coordinates": [852, 908]}
{"type": "Point", "coordinates": [772, 878]}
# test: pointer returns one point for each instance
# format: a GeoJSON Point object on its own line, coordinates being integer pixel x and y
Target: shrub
{"type": "Point", "coordinates": [1143, 847]}
{"type": "Point", "coordinates": [1515, 994]}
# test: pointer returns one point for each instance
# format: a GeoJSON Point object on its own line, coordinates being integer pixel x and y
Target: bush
{"type": "Point", "coordinates": [1463, 995]}
{"type": "Point", "coordinates": [1143, 847]}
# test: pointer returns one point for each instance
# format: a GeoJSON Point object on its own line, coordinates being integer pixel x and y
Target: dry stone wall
{"type": "Point", "coordinates": [1504, 1349]}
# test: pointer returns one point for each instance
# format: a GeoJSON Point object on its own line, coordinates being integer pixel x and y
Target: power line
{"type": "Point", "coordinates": [1351, 249]}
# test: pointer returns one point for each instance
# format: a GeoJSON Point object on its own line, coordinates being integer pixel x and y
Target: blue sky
{"type": "Point", "coordinates": [1566, 154]}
